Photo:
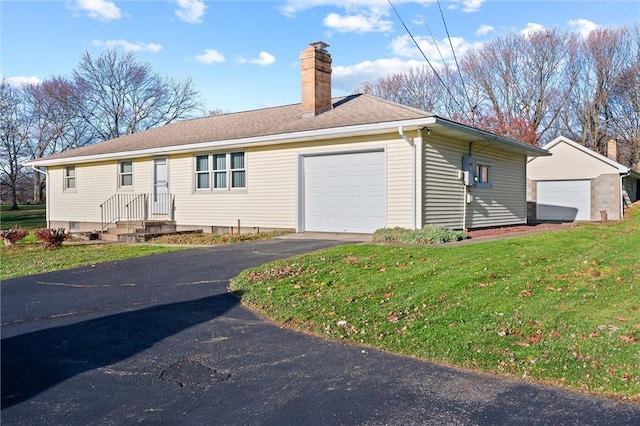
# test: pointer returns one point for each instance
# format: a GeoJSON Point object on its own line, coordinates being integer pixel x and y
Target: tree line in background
{"type": "Point", "coordinates": [531, 89]}
{"type": "Point", "coordinates": [535, 88]}
{"type": "Point", "coordinates": [106, 97]}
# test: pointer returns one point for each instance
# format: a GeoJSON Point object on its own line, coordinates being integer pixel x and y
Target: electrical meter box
{"type": "Point", "coordinates": [469, 170]}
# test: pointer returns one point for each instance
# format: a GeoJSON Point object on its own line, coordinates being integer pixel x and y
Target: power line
{"type": "Point", "coordinates": [455, 58]}
{"type": "Point", "coordinates": [429, 62]}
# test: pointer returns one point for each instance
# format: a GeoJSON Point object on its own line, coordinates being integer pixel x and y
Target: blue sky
{"type": "Point", "coordinates": [243, 55]}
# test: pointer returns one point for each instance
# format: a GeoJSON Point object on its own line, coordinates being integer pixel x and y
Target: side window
{"type": "Point", "coordinates": [237, 170]}
{"type": "Point", "coordinates": [220, 171]}
{"type": "Point", "coordinates": [125, 174]}
{"type": "Point", "coordinates": [483, 175]}
{"type": "Point", "coordinates": [202, 172]}
{"type": "Point", "coordinates": [70, 178]}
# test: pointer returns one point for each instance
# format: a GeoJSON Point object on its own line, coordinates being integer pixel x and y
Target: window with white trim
{"type": "Point", "coordinates": [125, 174]}
{"type": "Point", "coordinates": [70, 178]}
{"type": "Point", "coordinates": [483, 175]}
{"type": "Point", "coordinates": [225, 170]}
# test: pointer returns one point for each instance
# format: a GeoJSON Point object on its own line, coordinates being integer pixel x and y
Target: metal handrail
{"type": "Point", "coordinates": [136, 207]}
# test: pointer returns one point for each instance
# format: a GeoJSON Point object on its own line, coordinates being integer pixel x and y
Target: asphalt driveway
{"type": "Point", "coordinates": [159, 340]}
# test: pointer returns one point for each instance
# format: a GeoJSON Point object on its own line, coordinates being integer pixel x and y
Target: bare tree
{"type": "Point", "coordinates": [524, 81]}
{"type": "Point", "coordinates": [13, 138]}
{"type": "Point", "coordinates": [121, 96]}
{"type": "Point", "coordinates": [604, 56]}
{"type": "Point", "coordinates": [625, 105]}
{"type": "Point", "coordinates": [414, 88]}
{"type": "Point", "coordinates": [56, 125]}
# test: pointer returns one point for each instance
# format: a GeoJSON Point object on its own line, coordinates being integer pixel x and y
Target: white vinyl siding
{"type": "Point", "coordinates": [271, 197]}
{"type": "Point", "coordinates": [83, 205]}
{"type": "Point", "coordinates": [443, 192]}
{"type": "Point", "coordinates": [500, 203]}
{"type": "Point", "coordinates": [567, 163]}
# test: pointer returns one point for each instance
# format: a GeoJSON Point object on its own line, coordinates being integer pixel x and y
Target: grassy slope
{"type": "Point", "coordinates": [559, 307]}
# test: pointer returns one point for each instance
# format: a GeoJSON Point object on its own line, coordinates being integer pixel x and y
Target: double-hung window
{"type": "Point", "coordinates": [70, 178]}
{"type": "Point", "coordinates": [125, 174]}
{"type": "Point", "coordinates": [220, 171]}
{"type": "Point", "coordinates": [483, 175]}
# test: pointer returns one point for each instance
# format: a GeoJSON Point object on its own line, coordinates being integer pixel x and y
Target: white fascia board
{"type": "Point", "coordinates": [310, 135]}
{"type": "Point", "coordinates": [621, 168]}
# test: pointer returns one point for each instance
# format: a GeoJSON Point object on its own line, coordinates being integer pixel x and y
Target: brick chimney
{"type": "Point", "coordinates": [315, 69]}
{"type": "Point", "coordinates": [612, 150]}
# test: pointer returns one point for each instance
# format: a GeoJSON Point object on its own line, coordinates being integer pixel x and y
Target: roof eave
{"type": "Point", "coordinates": [281, 138]}
{"type": "Point", "coordinates": [530, 150]}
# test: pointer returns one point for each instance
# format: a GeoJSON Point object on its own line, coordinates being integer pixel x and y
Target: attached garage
{"type": "Point", "coordinates": [564, 200]}
{"type": "Point", "coordinates": [344, 192]}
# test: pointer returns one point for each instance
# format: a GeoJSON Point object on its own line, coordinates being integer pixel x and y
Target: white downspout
{"type": "Point", "coordinates": [622, 193]}
{"type": "Point", "coordinates": [413, 175]}
{"type": "Point", "coordinates": [46, 208]}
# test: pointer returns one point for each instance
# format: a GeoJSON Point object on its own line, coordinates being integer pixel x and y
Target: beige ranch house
{"type": "Point", "coordinates": [350, 164]}
{"type": "Point", "coordinates": [578, 184]}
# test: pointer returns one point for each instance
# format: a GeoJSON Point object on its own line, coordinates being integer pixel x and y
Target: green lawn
{"type": "Point", "coordinates": [560, 307]}
{"type": "Point", "coordinates": [27, 216]}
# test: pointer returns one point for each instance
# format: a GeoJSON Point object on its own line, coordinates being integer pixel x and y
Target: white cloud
{"type": "Point", "coordinates": [98, 9]}
{"type": "Point", "coordinates": [531, 28]}
{"type": "Point", "coordinates": [128, 46]}
{"type": "Point", "coordinates": [347, 78]}
{"type": "Point", "coordinates": [20, 81]}
{"type": "Point", "coordinates": [190, 11]}
{"type": "Point", "coordinates": [361, 23]}
{"type": "Point", "coordinates": [484, 30]}
{"type": "Point", "coordinates": [583, 27]}
{"type": "Point", "coordinates": [210, 56]}
{"type": "Point", "coordinates": [264, 59]}
{"type": "Point", "coordinates": [471, 5]}
{"type": "Point", "coordinates": [404, 46]}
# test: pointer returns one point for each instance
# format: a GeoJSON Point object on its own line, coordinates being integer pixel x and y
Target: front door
{"type": "Point", "coordinates": [160, 200]}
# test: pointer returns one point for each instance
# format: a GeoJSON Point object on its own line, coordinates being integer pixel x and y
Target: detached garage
{"type": "Point", "coordinates": [578, 184]}
{"type": "Point", "coordinates": [345, 192]}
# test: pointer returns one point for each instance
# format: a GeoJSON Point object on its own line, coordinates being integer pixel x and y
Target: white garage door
{"type": "Point", "coordinates": [345, 192]}
{"type": "Point", "coordinates": [564, 200]}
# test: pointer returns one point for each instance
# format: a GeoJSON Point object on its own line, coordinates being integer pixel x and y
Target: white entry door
{"type": "Point", "coordinates": [345, 192]}
{"type": "Point", "coordinates": [160, 198]}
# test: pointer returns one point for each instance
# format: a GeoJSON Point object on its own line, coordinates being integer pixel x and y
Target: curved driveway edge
{"type": "Point", "coordinates": [159, 340]}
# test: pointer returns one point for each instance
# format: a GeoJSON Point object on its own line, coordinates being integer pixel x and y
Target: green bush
{"type": "Point", "coordinates": [51, 238]}
{"type": "Point", "coordinates": [429, 234]}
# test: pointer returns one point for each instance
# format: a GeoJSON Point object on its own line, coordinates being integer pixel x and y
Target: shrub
{"type": "Point", "coordinates": [12, 235]}
{"type": "Point", "coordinates": [51, 238]}
{"type": "Point", "coordinates": [429, 234]}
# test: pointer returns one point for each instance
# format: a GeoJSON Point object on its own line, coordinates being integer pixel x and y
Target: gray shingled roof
{"type": "Point", "coordinates": [347, 111]}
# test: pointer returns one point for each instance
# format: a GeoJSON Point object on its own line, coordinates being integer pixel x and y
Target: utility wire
{"type": "Point", "coordinates": [455, 58]}
{"type": "Point", "coordinates": [429, 62]}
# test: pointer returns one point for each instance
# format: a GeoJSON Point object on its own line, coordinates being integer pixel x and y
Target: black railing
{"type": "Point", "coordinates": [135, 208]}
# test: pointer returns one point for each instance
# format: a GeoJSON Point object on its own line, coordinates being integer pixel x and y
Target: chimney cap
{"type": "Point", "coordinates": [319, 45]}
